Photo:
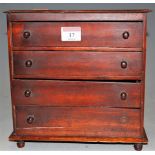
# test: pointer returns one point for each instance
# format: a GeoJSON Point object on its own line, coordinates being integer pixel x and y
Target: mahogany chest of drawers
{"type": "Point", "coordinates": [77, 76]}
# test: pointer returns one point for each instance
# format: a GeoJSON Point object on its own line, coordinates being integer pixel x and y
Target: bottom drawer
{"type": "Point", "coordinates": [78, 121]}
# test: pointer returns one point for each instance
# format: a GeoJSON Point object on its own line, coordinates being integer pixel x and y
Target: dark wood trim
{"type": "Point", "coordinates": [79, 11]}
{"type": "Point", "coordinates": [143, 72]}
{"type": "Point", "coordinates": [80, 77]}
{"type": "Point", "coordinates": [97, 49]}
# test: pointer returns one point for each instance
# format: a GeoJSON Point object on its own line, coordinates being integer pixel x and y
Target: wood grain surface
{"type": "Point", "coordinates": [78, 65]}
{"type": "Point", "coordinates": [78, 121]}
{"type": "Point", "coordinates": [76, 93]}
{"type": "Point", "coordinates": [93, 34]}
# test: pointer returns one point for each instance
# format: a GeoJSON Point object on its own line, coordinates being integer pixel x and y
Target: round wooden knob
{"type": "Point", "coordinates": [123, 96]}
{"type": "Point", "coordinates": [28, 63]}
{"type": "Point", "coordinates": [30, 119]}
{"type": "Point", "coordinates": [123, 64]}
{"type": "Point", "coordinates": [27, 93]}
{"type": "Point", "coordinates": [125, 35]}
{"type": "Point", "coordinates": [26, 34]}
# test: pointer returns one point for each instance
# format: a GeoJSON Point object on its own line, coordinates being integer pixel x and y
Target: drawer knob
{"type": "Point", "coordinates": [30, 119]}
{"type": "Point", "coordinates": [124, 64]}
{"type": "Point", "coordinates": [125, 35]}
{"type": "Point", "coordinates": [26, 34]}
{"type": "Point", "coordinates": [28, 63]}
{"type": "Point", "coordinates": [123, 96]}
{"type": "Point", "coordinates": [27, 93]}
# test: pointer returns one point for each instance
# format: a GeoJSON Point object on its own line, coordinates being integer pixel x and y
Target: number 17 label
{"type": "Point", "coordinates": [70, 33]}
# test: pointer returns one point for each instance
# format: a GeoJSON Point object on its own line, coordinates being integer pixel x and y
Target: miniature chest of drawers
{"type": "Point", "coordinates": [77, 76]}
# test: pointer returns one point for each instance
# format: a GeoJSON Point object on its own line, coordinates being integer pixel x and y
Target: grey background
{"type": "Point", "coordinates": [5, 100]}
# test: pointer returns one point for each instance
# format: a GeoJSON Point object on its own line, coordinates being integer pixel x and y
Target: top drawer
{"type": "Point", "coordinates": [76, 34]}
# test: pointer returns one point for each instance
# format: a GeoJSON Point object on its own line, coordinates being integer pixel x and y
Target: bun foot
{"type": "Point", "coordinates": [138, 146]}
{"type": "Point", "coordinates": [20, 144]}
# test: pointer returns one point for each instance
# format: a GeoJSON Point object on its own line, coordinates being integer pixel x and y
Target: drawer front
{"type": "Point", "coordinates": [77, 65]}
{"type": "Point", "coordinates": [79, 121]}
{"type": "Point", "coordinates": [93, 34]}
{"type": "Point", "coordinates": [75, 93]}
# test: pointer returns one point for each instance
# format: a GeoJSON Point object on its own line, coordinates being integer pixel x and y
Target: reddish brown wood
{"type": "Point", "coordinates": [78, 121]}
{"type": "Point", "coordinates": [143, 139]}
{"type": "Point", "coordinates": [46, 34]}
{"type": "Point", "coordinates": [93, 109]}
{"type": "Point", "coordinates": [144, 71]}
{"type": "Point", "coordinates": [64, 15]}
{"type": "Point", "coordinates": [75, 93]}
{"type": "Point", "coordinates": [78, 65]}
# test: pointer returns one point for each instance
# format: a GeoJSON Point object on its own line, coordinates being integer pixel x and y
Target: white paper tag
{"type": "Point", "coordinates": [70, 33]}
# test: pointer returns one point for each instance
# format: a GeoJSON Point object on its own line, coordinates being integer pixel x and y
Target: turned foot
{"type": "Point", "coordinates": [138, 146]}
{"type": "Point", "coordinates": [20, 144]}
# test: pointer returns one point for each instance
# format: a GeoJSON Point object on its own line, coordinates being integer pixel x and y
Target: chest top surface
{"type": "Point", "coordinates": [78, 11]}
{"type": "Point", "coordinates": [76, 15]}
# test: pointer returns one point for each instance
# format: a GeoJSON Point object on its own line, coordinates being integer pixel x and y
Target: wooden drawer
{"type": "Point", "coordinates": [77, 65]}
{"type": "Point", "coordinates": [76, 93]}
{"type": "Point", "coordinates": [79, 121]}
{"type": "Point", "coordinates": [26, 35]}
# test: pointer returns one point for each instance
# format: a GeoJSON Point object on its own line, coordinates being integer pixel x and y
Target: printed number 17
{"type": "Point", "coordinates": [71, 35]}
